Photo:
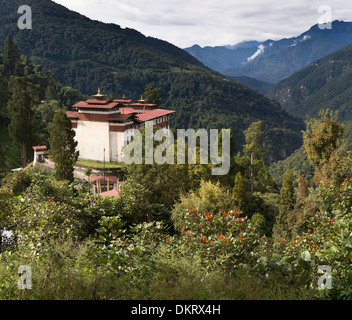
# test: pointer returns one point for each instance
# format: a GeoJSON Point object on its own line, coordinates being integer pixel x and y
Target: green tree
{"type": "Point", "coordinates": [63, 146]}
{"type": "Point", "coordinates": [152, 95]}
{"type": "Point", "coordinates": [287, 203]}
{"type": "Point", "coordinates": [323, 144]}
{"type": "Point", "coordinates": [227, 179]}
{"type": "Point", "coordinates": [44, 116]}
{"type": "Point", "coordinates": [302, 188]}
{"type": "Point", "coordinates": [20, 110]}
{"type": "Point", "coordinates": [11, 59]}
{"type": "Point", "coordinates": [50, 93]}
{"type": "Point", "coordinates": [2, 161]}
{"type": "Point", "coordinates": [164, 181]}
{"type": "Point", "coordinates": [254, 151]}
{"type": "Point", "coordinates": [4, 96]}
{"type": "Point", "coordinates": [208, 197]}
{"type": "Point", "coordinates": [239, 193]}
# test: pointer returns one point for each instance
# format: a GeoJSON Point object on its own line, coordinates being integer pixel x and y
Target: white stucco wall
{"type": "Point", "coordinates": [93, 137]}
{"type": "Point", "coordinates": [113, 146]}
{"type": "Point", "coordinates": [120, 145]}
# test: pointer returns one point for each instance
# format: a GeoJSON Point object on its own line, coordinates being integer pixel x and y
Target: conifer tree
{"type": "Point", "coordinates": [4, 96]}
{"type": "Point", "coordinates": [227, 179]}
{"type": "Point", "coordinates": [287, 203]}
{"type": "Point", "coordinates": [21, 112]}
{"type": "Point", "coordinates": [254, 151]}
{"type": "Point", "coordinates": [11, 58]}
{"type": "Point", "coordinates": [239, 193]}
{"type": "Point", "coordinates": [63, 146]}
{"type": "Point", "coordinates": [2, 161]}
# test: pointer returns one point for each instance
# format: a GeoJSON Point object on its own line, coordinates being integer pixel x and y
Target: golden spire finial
{"type": "Point", "coordinates": [99, 96]}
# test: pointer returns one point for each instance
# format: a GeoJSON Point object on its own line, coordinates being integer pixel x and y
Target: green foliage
{"type": "Point", "coordinates": [287, 194]}
{"type": "Point", "coordinates": [261, 86]}
{"type": "Point", "coordinates": [17, 181]}
{"type": "Point", "coordinates": [44, 116]}
{"type": "Point", "coordinates": [324, 84]}
{"type": "Point", "coordinates": [21, 111]}
{"type": "Point", "coordinates": [2, 161]}
{"type": "Point", "coordinates": [267, 205]}
{"type": "Point", "coordinates": [88, 245]}
{"type": "Point", "coordinates": [259, 223]}
{"type": "Point", "coordinates": [152, 95]}
{"type": "Point", "coordinates": [322, 137]}
{"type": "Point", "coordinates": [252, 163]}
{"type": "Point", "coordinates": [299, 165]}
{"type": "Point", "coordinates": [209, 197]}
{"type": "Point", "coordinates": [287, 204]}
{"type": "Point", "coordinates": [63, 146]}
{"type": "Point", "coordinates": [11, 59]}
{"type": "Point", "coordinates": [136, 208]}
{"type": "Point", "coordinates": [239, 193]}
{"type": "Point", "coordinates": [322, 143]}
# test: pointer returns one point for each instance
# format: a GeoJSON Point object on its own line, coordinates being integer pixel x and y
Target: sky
{"type": "Point", "coordinates": [214, 23]}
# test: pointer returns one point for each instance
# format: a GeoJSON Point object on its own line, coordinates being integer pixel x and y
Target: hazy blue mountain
{"type": "Point", "coordinates": [222, 58]}
{"type": "Point", "coordinates": [272, 61]}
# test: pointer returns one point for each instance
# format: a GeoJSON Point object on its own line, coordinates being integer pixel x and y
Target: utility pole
{"type": "Point", "coordinates": [104, 166]}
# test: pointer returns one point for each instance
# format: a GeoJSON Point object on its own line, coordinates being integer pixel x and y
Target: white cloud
{"type": "Point", "coordinates": [260, 50]}
{"type": "Point", "coordinates": [208, 22]}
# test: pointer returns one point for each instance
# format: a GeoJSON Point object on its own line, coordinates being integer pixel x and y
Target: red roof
{"type": "Point", "coordinates": [39, 148]}
{"type": "Point", "coordinates": [122, 101]}
{"type": "Point", "coordinates": [128, 110]}
{"type": "Point", "coordinates": [138, 104]}
{"type": "Point", "coordinates": [153, 114]}
{"type": "Point", "coordinates": [84, 104]}
{"type": "Point", "coordinates": [72, 114]}
{"type": "Point", "coordinates": [120, 117]}
{"type": "Point", "coordinates": [96, 101]}
{"type": "Point", "coordinates": [110, 193]}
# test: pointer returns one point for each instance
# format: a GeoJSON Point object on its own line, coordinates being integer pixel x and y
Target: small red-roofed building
{"type": "Point", "coordinates": [103, 127]}
{"type": "Point", "coordinates": [39, 154]}
{"type": "Point", "coordinates": [103, 184]}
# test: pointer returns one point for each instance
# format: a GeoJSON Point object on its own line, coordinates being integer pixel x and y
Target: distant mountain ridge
{"type": "Point", "coordinates": [272, 61]}
{"type": "Point", "coordinates": [261, 86]}
{"type": "Point", "coordinates": [222, 58]}
{"type": "Point", "coordinates": [323, 84]}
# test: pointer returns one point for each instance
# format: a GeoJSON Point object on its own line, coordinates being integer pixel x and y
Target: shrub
{"type": "Point", "coordinates": [210, 197]}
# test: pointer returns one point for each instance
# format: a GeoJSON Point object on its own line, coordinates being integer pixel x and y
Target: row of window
{"type": "Point", "coordinates": [157, 121]}
{"type": "Point", "coordinates": [160, 120]}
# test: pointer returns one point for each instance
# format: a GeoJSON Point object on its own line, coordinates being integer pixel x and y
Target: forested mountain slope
{"type": "Point", "coordinates": [325, 83]}
{"type": "Point", "coordinates": [86, 54]}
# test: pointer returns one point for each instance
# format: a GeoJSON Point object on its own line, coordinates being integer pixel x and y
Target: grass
{"type": "Point", "coordinates": [99, 164]}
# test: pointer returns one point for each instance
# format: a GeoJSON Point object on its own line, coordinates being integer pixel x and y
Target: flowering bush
{"type": "Point", "coordinates": [228, 235]}
{"type": "Point", "coordinates": [327, 241]}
